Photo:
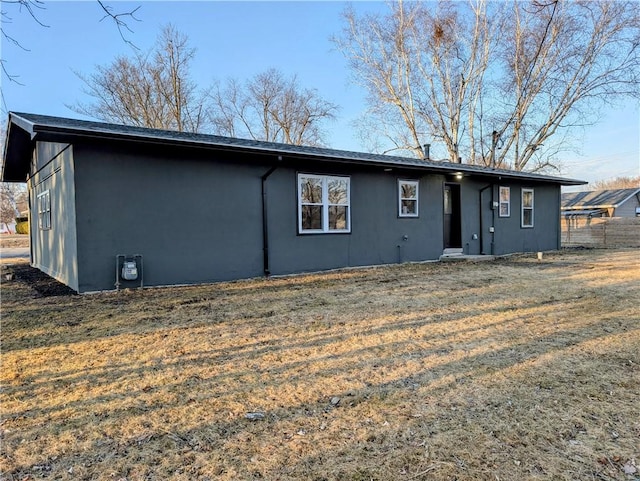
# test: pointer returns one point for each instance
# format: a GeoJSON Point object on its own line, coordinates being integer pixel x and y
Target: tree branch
{"type": "Point", "coordinates": [118, 19]}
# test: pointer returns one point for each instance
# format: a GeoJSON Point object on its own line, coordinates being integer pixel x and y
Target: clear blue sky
{"type": "Point", "coordinates": [239, 39]}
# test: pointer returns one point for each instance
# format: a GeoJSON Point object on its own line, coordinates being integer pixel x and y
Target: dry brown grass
{"type": "Point", "coordinates": [508, 370]}
{"type": "Point", "coordinates": [14, 240]}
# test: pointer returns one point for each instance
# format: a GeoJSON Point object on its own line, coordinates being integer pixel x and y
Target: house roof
{"type": "Point", "coordinates": [24, 128]}
{"type": "Point", "coordinates": [581, 212]}
{"type": "Point", "coordinates": [597, 199]}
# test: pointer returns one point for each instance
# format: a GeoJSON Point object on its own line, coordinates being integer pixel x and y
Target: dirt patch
{"type": "Point", "coordinates": [511, 370]}
{"type": "Point", "coordinates": [41, 283]}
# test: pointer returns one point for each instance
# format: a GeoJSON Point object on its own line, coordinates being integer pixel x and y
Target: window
{"type": "Point", "coordinates": [408, 198]}
{"type": "Point", "coordinates": [44, 210]}
{"type": "Point", "coordinates": [323, 204]}
{"type": "Point", "coordinates": [505, 202]}
{"type": "Point", "coordinates": [527, 208]}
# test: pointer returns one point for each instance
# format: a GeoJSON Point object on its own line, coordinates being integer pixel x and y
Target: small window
{"type": "Point", "coordinates": [323, 204]}
{"type": "Point", "coordinates": [527, 208]}
{"type": "Point", "coordinates": [408, 198]}
{"type": "Point", "coordinates": [44, 210]}
{"type": "Point", "coordinates": [505, 202]}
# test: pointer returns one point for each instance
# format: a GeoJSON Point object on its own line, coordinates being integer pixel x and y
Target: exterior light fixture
{"type": "Point", "coordinates": [458, 175]}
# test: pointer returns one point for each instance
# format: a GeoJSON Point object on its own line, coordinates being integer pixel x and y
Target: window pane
{"type": "Point", "coordinates": [338, 191]}
{"type": "Point", "coordinates": [311, 190]}
{"type": "Point", "coordinates": [504, 194]}
{"type": "Point", "coordinates": [527, 217]}
{"type": "Point", "coordinates": [409, 207]}
{"type": "Point", "coordinates": [527, 198]}
{"type": "Point", "coordinates": [504, 210]}
{"type": "Point", "coordinates": [337, 217]}
{"type": "Point", "coordinates": [409, 191]}
{"type": "Point", "coordinates": [311, 217]}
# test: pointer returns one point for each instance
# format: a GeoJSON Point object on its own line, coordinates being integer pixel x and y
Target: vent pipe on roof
{"type": "Point", "coordinates": [425, 151]}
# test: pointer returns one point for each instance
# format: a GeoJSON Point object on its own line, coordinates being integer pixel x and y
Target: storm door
{"type": "Point", "coordinates": [452, 217]}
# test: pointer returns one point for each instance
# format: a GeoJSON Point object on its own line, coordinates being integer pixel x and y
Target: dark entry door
{"type": "Point", "coordinates": [452, 231]}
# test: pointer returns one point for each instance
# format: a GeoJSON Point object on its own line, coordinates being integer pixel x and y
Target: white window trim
{"type": "Point", "coordinates": [325, 205]}
{"type": "Point", "coordinates": [400, 198]}
{"type": "Point", "coordinates": [522, 208]}
{"type": "Point", "coordinates": [501, 202]}
{"type": "Point", "coordinates": [44, 210]}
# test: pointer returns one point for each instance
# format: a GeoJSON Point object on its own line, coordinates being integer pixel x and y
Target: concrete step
{"type": "Point", "coordinates": [465, 257]}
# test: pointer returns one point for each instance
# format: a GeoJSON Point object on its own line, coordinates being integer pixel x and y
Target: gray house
{"type": "Point", "coordinates": [602, 203]}
{"type": "Point", "coordinates": [115, 206]}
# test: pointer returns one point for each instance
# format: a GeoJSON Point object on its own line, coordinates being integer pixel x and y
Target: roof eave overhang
{"type": "Point", "coordinates": [17, 150]}
{"type": "Point", "coordinates": [599, 206]}
{"type": "Point", "coordinates": [431, 167]}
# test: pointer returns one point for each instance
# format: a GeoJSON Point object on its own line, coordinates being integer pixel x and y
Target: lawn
{"type": "Point", "coordinates": [513, 369]}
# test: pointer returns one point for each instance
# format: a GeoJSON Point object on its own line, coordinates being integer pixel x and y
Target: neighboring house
{"type": "Point", "coordinates": [7, 228]}
{"type": "Point", "coordinates": [116, 206]}
{"type": "Point", "coordinates": [602, 203]}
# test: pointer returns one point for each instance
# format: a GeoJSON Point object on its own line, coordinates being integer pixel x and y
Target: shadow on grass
{"type": "Point", "coordinates": [179, 408]}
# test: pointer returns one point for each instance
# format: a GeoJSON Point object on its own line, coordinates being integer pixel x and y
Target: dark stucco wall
{"type": "Point", "coordinates": [54, 250]}
{"type": "Point", "coordinates": [378, 235]}
{"type": "Point", "coordinates": [196, 216]}
{"type": "Point", "coordinates": [192, 220]}
{"type": "Point", "coordinates": [511, 237]}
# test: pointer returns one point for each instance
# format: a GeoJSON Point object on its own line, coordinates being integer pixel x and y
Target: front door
{"type": "Point", "coordinates": [452, 230]}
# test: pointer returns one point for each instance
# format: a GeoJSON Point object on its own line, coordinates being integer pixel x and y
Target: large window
{"type": "Point", "coordinates": [527, 208]}
{"type": "Point", "coordinates": [408, 198]}
{"type": "Point", "coordinates": [505, 202]}
{"type": "Point", "coordinates": [323, 204]}
{"type": "Point", "coordinates": [44, 210]}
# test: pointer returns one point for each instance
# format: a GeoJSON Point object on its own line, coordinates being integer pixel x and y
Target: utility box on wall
{"type": "Point", "coordinates": [129, 271]}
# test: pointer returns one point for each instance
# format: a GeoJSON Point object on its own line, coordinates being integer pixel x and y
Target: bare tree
{"type": "Point", "coordinates": [13, 201]}
{"type": "Point", "coordinates": [120, 19]}
{"type": "Point", "coordinates": [33, 8]}
{"type": "Point", "coordinates": [564, 58]}
{"type": "Point", "coordinates": [13, 196]}
{"type": "Point", "coordinates": [492, 83]}
{"type": "Point", "coordinates": [152, 89]}
{"type": "Point", "coordinates": [29, 6]}
{"type": "Point", "coordinates": [423, 68]}
{"type": "Point", "coordinates": [617, 183]}
{"type": "Point", "coordinates": [271, 107]}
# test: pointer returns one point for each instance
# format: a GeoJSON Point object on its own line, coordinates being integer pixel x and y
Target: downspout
{"type": "Point", "coordinates": [560, 220]}
{"type": "Point", "coordinates": [265, 223]}
{"type": "Point", "coordinates": [481, 226]}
